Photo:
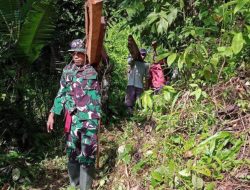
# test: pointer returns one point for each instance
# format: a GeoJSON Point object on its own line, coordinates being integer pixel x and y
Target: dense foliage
{"type": "Point", "coordinates": [190, 136]}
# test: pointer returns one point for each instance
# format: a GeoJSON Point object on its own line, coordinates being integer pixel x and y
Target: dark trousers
{"type": "Point", "coordinates": [132, 94]}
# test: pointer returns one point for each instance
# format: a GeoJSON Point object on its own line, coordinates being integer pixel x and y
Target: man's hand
{"type": "Point", "coordinates": [50, 122]}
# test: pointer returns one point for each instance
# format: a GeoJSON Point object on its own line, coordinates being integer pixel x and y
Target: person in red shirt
{"type": "Point", "coordinates": [156, 76]}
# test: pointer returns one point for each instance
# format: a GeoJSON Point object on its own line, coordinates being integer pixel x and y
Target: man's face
{"type": "Point", "coordinates": [78, 58]}
{"type": "Point", "coordinates": [143, 55]}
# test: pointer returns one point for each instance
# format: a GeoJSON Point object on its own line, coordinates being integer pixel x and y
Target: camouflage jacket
{"type": "Point", "coordinates": [79, 92]}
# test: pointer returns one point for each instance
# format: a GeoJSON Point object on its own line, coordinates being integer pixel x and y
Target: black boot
{"type": "Point", "coordinates": [74, 173]}
{"type": "Point", "coordinates": [86, 177]}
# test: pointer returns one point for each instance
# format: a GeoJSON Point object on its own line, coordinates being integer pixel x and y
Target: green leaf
{"type": "Point", "coordinates": [161, 56]}
{"type": "Point", "coordinates": [180, 62]}
{"type": "Point", "coordinates": [162, 25]}
{"type": "Point", "coordinates": [185, 173]}
{"type": "Point", "coordinates": [204, 94]}
{"type": "Point", "coordinates": [193, 85]}
{"type": "Point", "coordinates": [197, 182]}
{"type": "Point", "coordinates": [171, 167]}
{"type": "Point", "coordinates": [152, 17]}
{"type": "Point", "coordinates": [169, 89]}
{"type": "Point", "coordinates": [171, 59]}
{"type": "Point", "coordinates": [202, 47]}
{"type": "Point", "coordinates": [167, 96]}
{"type": "Point", "coordinates": [37, 30]}
{"type": "Point", "coordinates": [154, 183]}
{"type": "Point", "coordinates": [197, 93]}
{"type": "Point", "coordinates": [218, 160]}
{"type": "Point", "coordinates": [221, 49]}
{"type": "Point", "coordinates": [131, 12]}
{"type": "Point", "coordinates": [149, 102]}
{"type": "Point", "coordinates": [210, 186]}
{"type": "Point", "coordinates": [138, 166]}
{"type": "Point", "coordinates": [157, 176]}
{"type": "Point", "coordinates": [174, 101]}
{"type": "Point", "coordinates": [202, 170]}
{"type": "Point", "coordinates": [219, 135]}
{"type": "Point", "coordinates": [237, 43]}
{"type": "Point", "coordinates": [240, 5]}
{"type": "Point", "coordinates": [229, 154]}
{"type": "Point", "coordinates": [16, 174]}
{"type": "Point", "coordinates": [172, 15]}
{"type": "Point", "coordinates": [208, 141]}
{"type": "Point", "coordinates": [228, 52]}
{"type": "Point", "coordinates": [126, 159]}
{"type": "Point", "coordinates": [182, 4]}
{"type": "Point", "coordinates": [215, 59]}
{"type": "Point", "coordinates": [146, 100]}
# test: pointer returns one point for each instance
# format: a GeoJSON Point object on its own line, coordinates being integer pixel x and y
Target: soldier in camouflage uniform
{"type": "Point", "coordinates": [79, 95]}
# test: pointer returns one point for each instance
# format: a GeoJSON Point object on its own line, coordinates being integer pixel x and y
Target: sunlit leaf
{"type": "Point", "coordinates": [167, 96]}
{"type": "Point", "coordinates": [171, 59]}
{"type": "Point", "coordinates": [182, 4]}
{"type": "Point", "coordinates": [229, 153]}
{"type": "Point", "coordinates": [228, 52]}
{"type": "Point", "coordinates": [210, 186]}
{"type": "Point", "coordinates": [157, 175]}
{"type": "Point", "coordinates": [185, 173]}
{"type": "Point", "coordinates": [174, 101]}
{"type": "Point", "coordinates": [221, 49]}
{"type": "Point", "coordinates": [171, 167]}
{"type": "Point", "coordinates": [172, 15]}
{"type": "Point", "coordinates": [197, 93]}
{"type": "Point", "coordinates": [162, 25]}
{"type": "Point", "coordinates": [197, 182]}
{"type": "Point", "coordinates": [215, 59]}
{"type": "Point", "coordinates": [169, 89]}
{"type": "Point", "coordinates": [240, 5]}
{"type": "Point", "coordinates": [180, 62]}
{"type": "Point", "coordinates": [202, 170]}
{"type": "Point", "coordinates": [237, 43]}
{"type": "Point", "coordinates": [219, 135]}
{"type": "Point", "coordinates": [16, 174]}
{"type": "Point", "coordinates": [193, 85]}
{"type": "Point", "coordinates": [161, 56]}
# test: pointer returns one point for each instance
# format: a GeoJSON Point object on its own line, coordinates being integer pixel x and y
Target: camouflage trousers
{"type": "Point", "coordinates": [82, 141]}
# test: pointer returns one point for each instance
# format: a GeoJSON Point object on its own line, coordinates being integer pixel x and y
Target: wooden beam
{"type": "Point", "coordinates": [93, 27]}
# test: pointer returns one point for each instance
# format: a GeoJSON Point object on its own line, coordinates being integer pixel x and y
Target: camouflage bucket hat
{"type": "Point", "coordinates": [77, 45]}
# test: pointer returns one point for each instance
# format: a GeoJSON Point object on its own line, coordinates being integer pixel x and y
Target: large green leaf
{"type": "Point", "coordinates": [197, 182]}
{"type": "Point", "coordinates": [161, 56]}
{"type": "Point", "coordinates": [237, 43]}
{"type": "Point", "coordinates": [162, 25]}
{"type": "Point", "coordinates": [219, 135]}
{"type": "Point", "coordinates": [182, 4]}
{"type": "Point", "coordinates": [240, 5]}
{"type": "Point", "coordinates": [171, 59]}
{"type": "Point", "coordinates": [157, 175]}
{"type": "Point", "coordinates": [37, 30]}
{"type": "Point", "coordinates": [172, 15]}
